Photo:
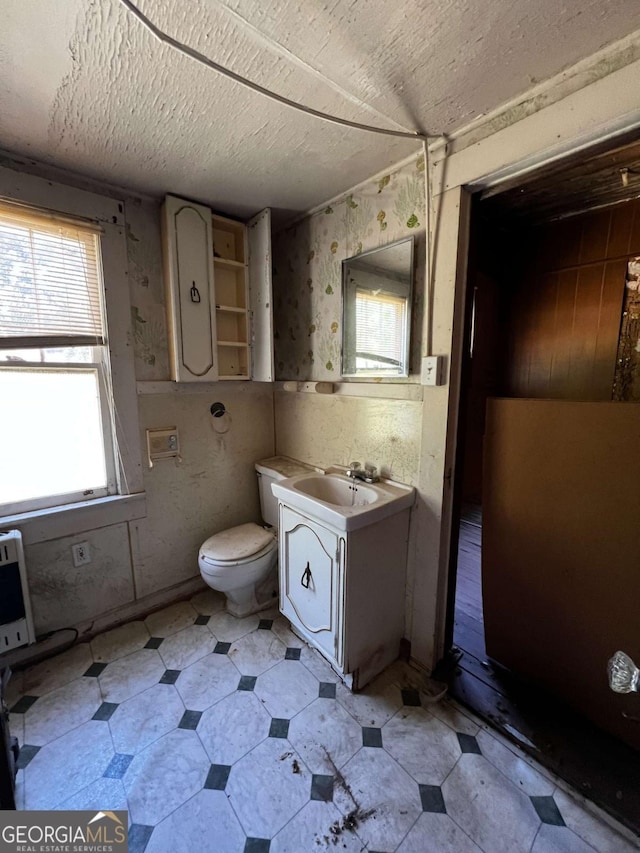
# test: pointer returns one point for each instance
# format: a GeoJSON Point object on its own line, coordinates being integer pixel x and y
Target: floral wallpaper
{"type": "Point", "coordinates": [308, 269]}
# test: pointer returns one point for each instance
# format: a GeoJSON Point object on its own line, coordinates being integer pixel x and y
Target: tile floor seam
{"type": "Point", "coordinates": [282, 828]}
{"type": "Point", "coordinates": [420, 813]}
{"type": "Point", "coordinates": [519, 753]}
{"type": "Point", "coordinates": [452, 818]}
{"type": "Point", "coordinates": [240, 757]}
{"type": "Point", "coordinates": [452, 769]}
{"type": "Point", "coordinates": [510, 781]}
{"type": "Point", "coordinates": [53, 740]}
{"type": "Point", "coordinates": [535, 837]}
{"type": "Point", "coordinates": [168, 815]}
{"type": "Point", "coordinates": [464, 831]}
{"type": "Point", "coordinates": [235, 813]}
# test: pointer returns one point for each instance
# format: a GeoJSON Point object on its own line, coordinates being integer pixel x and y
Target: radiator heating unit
{"type": "Point", "coordinates": [16, 621]}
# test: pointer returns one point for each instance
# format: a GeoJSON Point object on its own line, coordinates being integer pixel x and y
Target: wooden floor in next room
{"type": "Point", "coordinates": [591, 760]}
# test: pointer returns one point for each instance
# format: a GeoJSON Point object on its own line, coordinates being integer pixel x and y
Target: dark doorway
{"type": "Point", "coordinates": [547, 317]}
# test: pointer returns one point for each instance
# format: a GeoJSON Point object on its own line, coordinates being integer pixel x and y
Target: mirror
{"type": "Point", "coordinates": [376, 311]}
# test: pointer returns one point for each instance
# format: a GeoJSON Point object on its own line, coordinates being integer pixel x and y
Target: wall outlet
{"type": "Point", "coordinates": [432, 370]}
{"type": "Point", "coordinates": [81, 554]}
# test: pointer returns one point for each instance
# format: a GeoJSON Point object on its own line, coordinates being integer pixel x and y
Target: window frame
{"type": "Point", "coordinates": [108, 214]}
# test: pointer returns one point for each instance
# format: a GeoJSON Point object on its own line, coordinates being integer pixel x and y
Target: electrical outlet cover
{"type": "Point", "coordinates": [81, 554]}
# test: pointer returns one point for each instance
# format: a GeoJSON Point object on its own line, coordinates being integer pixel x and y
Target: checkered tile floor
{"type": "Point", "coordinates": [223, 734]}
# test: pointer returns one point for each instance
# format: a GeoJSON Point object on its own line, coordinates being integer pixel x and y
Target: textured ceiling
{"type": "Point", "coordinates": [88, 89]}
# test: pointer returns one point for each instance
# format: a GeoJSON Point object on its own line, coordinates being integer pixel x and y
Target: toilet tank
{"type": "Point", "coordinates": [270, 470]}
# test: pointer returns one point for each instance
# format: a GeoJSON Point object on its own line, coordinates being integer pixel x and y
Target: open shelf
{"type": "Point", "coordinates": [228, 263]}
{"type": "Point", "coordinates": [228, 241]}
{"type": "Point", "coordinates": [230, 309]}
{"type": "Point", "coordinates": [233, 360]}
{"type": "Point", "coordinates": [232, 330]}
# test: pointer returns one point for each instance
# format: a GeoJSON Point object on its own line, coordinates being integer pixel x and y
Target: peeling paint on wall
{"type": "Point", "coordinates": [146, 287]}
{"type": "Point", "coordinates": [627, 379]}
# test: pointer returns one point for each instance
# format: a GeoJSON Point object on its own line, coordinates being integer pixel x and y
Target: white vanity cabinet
{"type": "Point", "coordinates": [218, 293]}
{"type": "Point", "coordinates": [344, 592]}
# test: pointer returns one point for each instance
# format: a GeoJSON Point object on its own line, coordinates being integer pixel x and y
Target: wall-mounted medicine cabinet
{"type": "Point", "coordinates": [218, 292]}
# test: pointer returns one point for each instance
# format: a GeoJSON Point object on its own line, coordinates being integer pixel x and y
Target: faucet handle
{"type": "Point", "coordinates": [370, 470]}
{"type": "Point", "coordinates": [354, 466]}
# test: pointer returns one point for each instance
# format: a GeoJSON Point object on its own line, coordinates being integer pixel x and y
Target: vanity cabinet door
{"type": "Point", "coordinates": [311, 560]}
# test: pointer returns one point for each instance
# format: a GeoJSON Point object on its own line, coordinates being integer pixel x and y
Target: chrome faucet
{"type": "Point", "coordinates": [368, 474]}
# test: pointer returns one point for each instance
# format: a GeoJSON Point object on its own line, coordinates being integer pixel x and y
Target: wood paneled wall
{"type": "Point", "coordinates": [566, 302]}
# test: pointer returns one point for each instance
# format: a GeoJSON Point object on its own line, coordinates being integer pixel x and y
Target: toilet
{"type": "Point", "coordinates": [241, 561]}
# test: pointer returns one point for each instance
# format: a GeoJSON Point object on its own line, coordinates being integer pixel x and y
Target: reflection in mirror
{"type": "Point", "coordinates": [376, 311]}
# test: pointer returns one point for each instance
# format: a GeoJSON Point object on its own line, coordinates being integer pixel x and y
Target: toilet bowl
{"type": "Point", "coordinates": [237, 562]}
{"type": "Point", "coordinates": [241, 562]}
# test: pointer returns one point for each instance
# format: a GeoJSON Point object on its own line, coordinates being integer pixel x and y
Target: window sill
{"type": "Point", "coordinates": [45, 524]}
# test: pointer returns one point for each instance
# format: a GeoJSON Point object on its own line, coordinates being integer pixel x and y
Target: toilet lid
{"type": "Point", "coordinates": [237, 542]}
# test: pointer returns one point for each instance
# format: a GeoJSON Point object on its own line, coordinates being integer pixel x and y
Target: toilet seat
{"type": "Point", "coordinates": [237, 546]}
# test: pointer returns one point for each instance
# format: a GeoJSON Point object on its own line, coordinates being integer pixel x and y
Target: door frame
{"type": "Point", "coordinates": [595, 114]}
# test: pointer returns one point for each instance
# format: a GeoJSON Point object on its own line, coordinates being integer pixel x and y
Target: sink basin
{"type": "Point", "coordinates": [346, 504]}
{"type": "Point", "coordinates": [336, 490]}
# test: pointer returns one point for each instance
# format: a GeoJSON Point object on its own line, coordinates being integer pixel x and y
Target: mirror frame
{"type": "Point", "coordinates": [407, 343]}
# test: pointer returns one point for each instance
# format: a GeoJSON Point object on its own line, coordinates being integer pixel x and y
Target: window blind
{"type": "Point", "coordinates": [380, 327]}
{"type": "Point", "coordinates": [50, 280]}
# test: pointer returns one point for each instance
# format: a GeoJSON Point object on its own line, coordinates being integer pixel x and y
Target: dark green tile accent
{"type": "Point", "coordinates": [265, 624]}
{"type": "Point", "coordinates": [322, 788]}
{"type": "Point", "coordinates": [547, 810]}
{"type": "Point", "coordinates": [139, 836]}
{"type": "Point", "coordinates": [202, 620]}
{"type": "Point", "coordinates": [292, 654]}
{"type": "Point", "coordinates": [279, 728]}
{"type": "Point", "coordinates": [118, 766]}
{"type": "Point", "coordinates": [95, 670]}
{"type": "Point", "coordinates": [190, 720]}
{"type": "Point", "coordinates": [170, 676]}
{"type": "Point", "coordinates": [222, 649]}
{"type": "Point", "coordinates": [327, 690]}
{"type": "Point", "coordinates": [257, 845]}
{"type": "Point", "coordinates": [217, 777]}
{"type": "Point", "coordinates": [411, 698]}
{"type": "Point", "coordinates": [27, 752]}
{"type": "Point", "coordinates": [23, 704]}
{"type": "Point", "coordinates": [432, 799]}
{"type": "Point", "coordinates": [371, 736]}
{"type": "Point", "coordinates": [105, 711]}
{"type": "Point", "coordinates": [468, 743]}
{"type": "Point", "coordinates": [247, 682]}
{"type": "Point", "coordinates": [154, 642]}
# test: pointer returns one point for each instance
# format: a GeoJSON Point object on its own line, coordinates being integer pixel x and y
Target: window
{"type": "Point", "coordinates": [55, 388]}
